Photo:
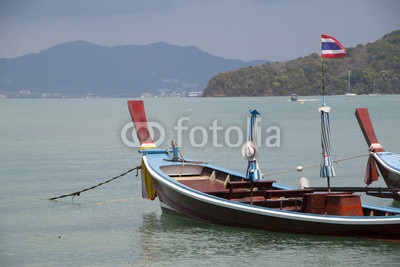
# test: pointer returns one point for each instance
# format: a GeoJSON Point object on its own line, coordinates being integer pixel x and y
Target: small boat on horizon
{"type": "Point", "coordinates": [214, 194]}
{"type": "Point", "coordinates": [349, 93]}
{"type": "Point", "coordinates": [302, 100]}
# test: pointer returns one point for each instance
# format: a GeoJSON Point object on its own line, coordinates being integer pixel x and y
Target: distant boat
{"type": "Point", "coordinates": [373, 91]}
{"type": "Point", "coordinates": [307, 100]}
{"type": "Point", "coordinates": [294, 97]}
{"type": "Point", "coordinates": [349, 93]}
{"type": "Point", "coordinates": [195, 94]}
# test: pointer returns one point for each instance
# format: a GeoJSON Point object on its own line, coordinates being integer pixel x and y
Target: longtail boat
{"type": "Point", "coordinates": [387, 162]}
{"type": "Point", "coordinates": [217, 195]}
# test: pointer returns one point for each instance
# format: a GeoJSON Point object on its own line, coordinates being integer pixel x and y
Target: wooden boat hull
{"type": "Point", "coordinates": [213, 194]}
{"type": "Point", "coordinates": [194, 204]}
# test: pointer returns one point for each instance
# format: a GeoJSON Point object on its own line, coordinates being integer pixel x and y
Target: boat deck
{"type": "Point", "coordinates": [204, 184]}
{"type": "Point", "coordinates": [263, 194]}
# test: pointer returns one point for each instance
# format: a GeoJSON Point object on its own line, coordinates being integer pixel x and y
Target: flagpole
{"type": "Point", "coordinates": [323, 83]}
{"type": "Point", "coordinates": [331, 48]}
{"type": "Point", "coordinates": [324, 105]}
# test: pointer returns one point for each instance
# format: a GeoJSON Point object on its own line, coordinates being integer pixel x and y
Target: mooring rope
{"type": "Point", "coordinates": [315, 165]}
{"type": "Point", "coordinates": [138, 167]}
{"type": "Point", "coordinates": [90, 188]}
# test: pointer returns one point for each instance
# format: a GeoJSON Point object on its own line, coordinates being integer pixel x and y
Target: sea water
{"type": "Point", "coordinates": [52, 147]}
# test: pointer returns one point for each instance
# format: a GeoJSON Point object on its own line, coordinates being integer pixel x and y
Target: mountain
{"type": "Point", "coordinates": [80, 68]}
{"type": "Point", "coordinates": [374, 68]}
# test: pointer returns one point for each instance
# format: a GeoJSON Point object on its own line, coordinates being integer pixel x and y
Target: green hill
{"type": "Point", "coordinates": [374, 67]}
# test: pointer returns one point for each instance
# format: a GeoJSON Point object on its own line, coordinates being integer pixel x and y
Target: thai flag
{"type": "Point", "coordinates": [331, 48]}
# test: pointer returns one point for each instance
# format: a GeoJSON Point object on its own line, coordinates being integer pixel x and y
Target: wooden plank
{"type": "Point", "coordinates": [248, 184]}
{"type": "Point", "coordinates": [181, 178]}
{"type": "Point", "coordinates": [138, 114]}
{"type": "Point", "coordinates": [237, 185]}
{"type": "Point", "coordinates": [259, 201]}
{"type": "Point", "coordinates": [244, 193]}
{"type": "Point", "coordinates": [206, 185]}
{"type": "Point", "coordinates": [294, 203]}
{"type": "Point", "coordinates": [355, 189]}
{"type": "Point", "coordinates": [383, 194]}
{"type": "Point", "coordinates": [273, 195]}
{"type": "Point", "coordinates": [367, 129]}
{"type": "Point", "coordinates": [287, 193]}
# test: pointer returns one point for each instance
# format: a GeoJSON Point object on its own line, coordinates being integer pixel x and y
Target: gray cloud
{"type": "Point", "coordinates": [245, 29]}
{"type": "Point", "coordinates": [79, 8]}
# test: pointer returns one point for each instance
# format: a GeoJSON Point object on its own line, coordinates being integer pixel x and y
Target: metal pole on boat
{"type": "Point", "coordinates": [251, 192]}
{"type": "Point", "coordinates": [326, 164]}
{"type": "Point", "coordinates": [323, 82]}
{"type": "Point", "coordinates": [328, 179]}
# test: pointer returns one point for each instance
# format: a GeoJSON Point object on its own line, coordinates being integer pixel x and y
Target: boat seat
{"type": "Point", "coordinates": [212, 187]}
{"type": "Point", "coordinates": [291, 199]}
{"type": "Point", "coordinates": [293, 204]}
{"type": "Point", "coordinates": [248, 184]}
{"type": "Point", "coordinates": [269, 194]}
{"type": "Point", "coordinates": [244, 193]}
{"type": "Point", "coordinates": [239, 189]}
{"type": "Point", "coordinates": [283, 203]}
{"type": "Point", "coordinates": [287, 193]}
{"type": "Point", "coordinates": [259, 201]}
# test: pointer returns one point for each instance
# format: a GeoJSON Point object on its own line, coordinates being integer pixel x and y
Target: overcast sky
{"type": "Point", "coordinates": [275, 30]}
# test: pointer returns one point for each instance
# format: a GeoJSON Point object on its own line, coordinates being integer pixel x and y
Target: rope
{"type": "Point", "coordinates": [93, 187]}
{"type": "Point", "coordinates": [315, 165]}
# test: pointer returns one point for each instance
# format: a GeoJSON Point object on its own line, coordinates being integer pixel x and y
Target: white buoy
{"type": "Point", "coordinates": [299, 168]}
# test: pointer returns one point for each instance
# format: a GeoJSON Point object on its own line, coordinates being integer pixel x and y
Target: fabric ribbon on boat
{"type": "Point", "coordinates": [371, 171]}
{"type": "Point", "coordinates": [327, 169]}
{"type": "Point", "coordinates": [250, 151]}
{"type": "Point", "coordinates": [148, 189]}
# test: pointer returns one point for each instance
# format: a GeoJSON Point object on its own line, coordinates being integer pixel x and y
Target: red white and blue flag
{"type": "Point", "coordinates": [331, 48]}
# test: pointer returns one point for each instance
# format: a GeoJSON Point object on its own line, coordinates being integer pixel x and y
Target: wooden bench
{"type": "Point", "coordinates": [259, 201]}
{"type": "Point", "coordinates": [291, 199]}
{"type": "Point", "coordinates": [212, 187]}
{"type": "Point", "coordinates": [286, 193]}
{"type": "Point", "coordinates": [246, 188]}
{"type": "Point", "coordinates": [248, 184]}
{"type": "Point", "coordinates": [283, 203]}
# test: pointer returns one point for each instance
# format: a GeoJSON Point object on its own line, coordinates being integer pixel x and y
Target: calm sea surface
{"type": "Point", "coordinates": [51, 147]}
